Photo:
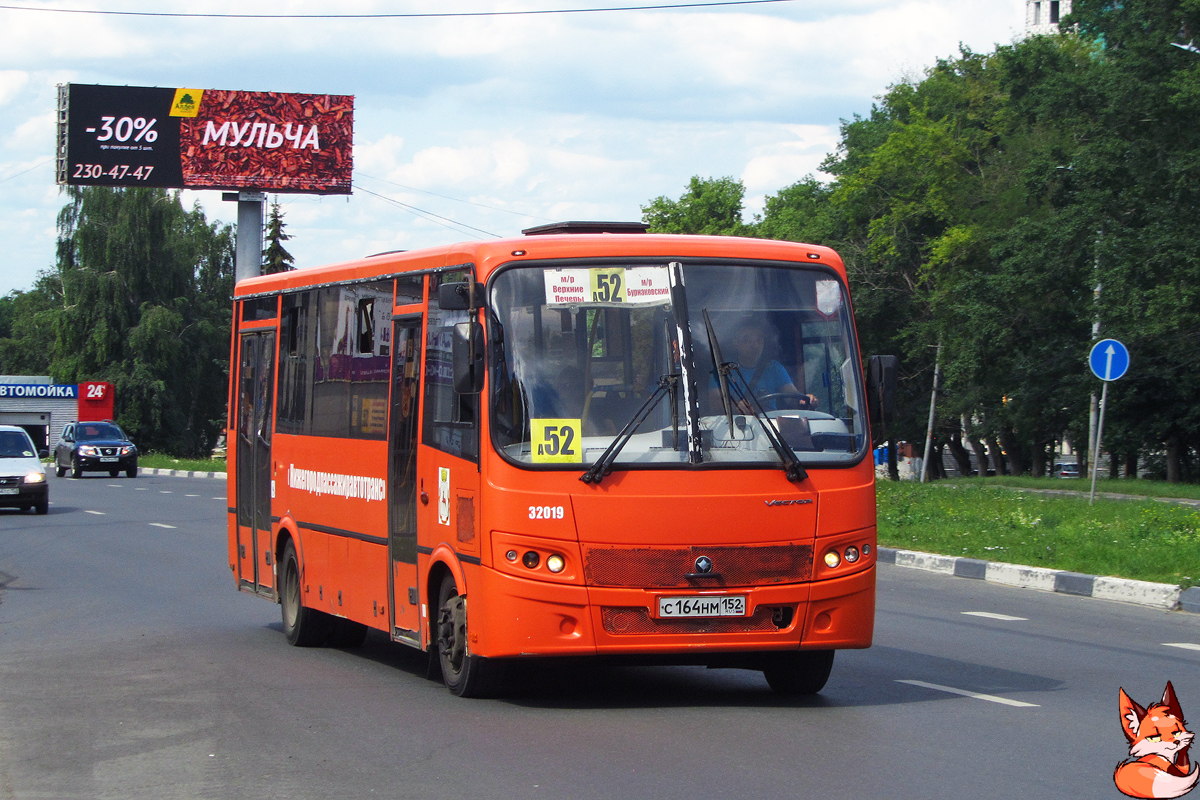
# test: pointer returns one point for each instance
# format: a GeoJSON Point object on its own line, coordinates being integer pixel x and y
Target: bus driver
{"type": "Point", "coordinates": [764, 375]}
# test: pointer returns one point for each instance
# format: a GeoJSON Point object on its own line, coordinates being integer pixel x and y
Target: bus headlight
{"type": "Point", "coordinates": [531, 559]}
{"type": "Point", "coordinates": [851, 554]}
{"type": "Point", "coordinates": [555, 563]}
{"type": "Point", "coordinates": [832, 559]}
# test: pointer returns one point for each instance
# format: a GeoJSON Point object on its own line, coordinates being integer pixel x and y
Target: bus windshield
{"type": "Point", "coordinates": [584, 353]}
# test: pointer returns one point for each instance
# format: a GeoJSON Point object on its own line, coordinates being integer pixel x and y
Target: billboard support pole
{"type": "Point", "coordinates": [248, 254]}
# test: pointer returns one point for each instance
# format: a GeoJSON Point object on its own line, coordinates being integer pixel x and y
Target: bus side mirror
{"type": "Point", "coordinates": [457, 296]}
{"type": "Point", "coordinates": [882, 374]}
{"type": "Point", "coordinates": [467, 349]}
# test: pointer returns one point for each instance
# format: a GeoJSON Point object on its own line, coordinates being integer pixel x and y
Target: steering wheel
{"type": "Point", "coordinates": [798, 401]}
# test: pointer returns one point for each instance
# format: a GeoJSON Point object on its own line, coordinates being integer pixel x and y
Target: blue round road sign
{"type": "Point", "coordinates": [1109, 359]}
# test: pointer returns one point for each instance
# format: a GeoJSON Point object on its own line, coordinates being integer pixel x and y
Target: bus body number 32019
{"type": "Point", "coordinates": [546, 512]}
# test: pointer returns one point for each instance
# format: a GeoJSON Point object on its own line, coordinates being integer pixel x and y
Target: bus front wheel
{"type": "Point", "coordinates": [303, 626]}
{"type": "Point", "coordinates": [465, 675]}
{"type": "Point", "coordinates": [799, 673]}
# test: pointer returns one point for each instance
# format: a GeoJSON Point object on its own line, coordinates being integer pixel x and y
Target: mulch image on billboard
{"type": "Point", "coordinates": [269, 140]}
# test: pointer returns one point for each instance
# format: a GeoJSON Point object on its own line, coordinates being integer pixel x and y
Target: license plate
{"type": "Point", "coordinates": [107, 459]}
{"type": "Point", "coordinates": [6, 490]}
{"type": "Point", "coordinates": [703, 606]}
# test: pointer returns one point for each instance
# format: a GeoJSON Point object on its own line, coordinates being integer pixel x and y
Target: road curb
{"type": "Point", "coordinates": [1145, 593]}
{"type": "Point", "coordinates": [182, 473]}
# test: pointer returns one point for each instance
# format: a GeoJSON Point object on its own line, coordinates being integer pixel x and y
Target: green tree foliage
{"type": "Point", "coordinates": [712, 207]}
{"type": "Point", "coordinates": [276, 258]}
{"type": "Point", "coordinates": [27, 329]}
{"type": "Point", "coordinates": [1139, 174]}
{"type": "Point", "coordinates": [978, 207]}
{"type": "Point", "coordinates": [142, 294]}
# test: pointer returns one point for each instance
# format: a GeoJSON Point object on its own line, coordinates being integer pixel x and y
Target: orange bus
{"type": "Point", "coordinates": [589, 441]}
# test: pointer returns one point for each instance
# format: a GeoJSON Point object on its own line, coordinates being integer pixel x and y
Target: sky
{"type": "Point", "coordinates": [479, 126]}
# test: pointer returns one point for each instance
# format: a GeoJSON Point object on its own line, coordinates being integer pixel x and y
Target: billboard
{"type": "Point", "coordinates": [205, 139]}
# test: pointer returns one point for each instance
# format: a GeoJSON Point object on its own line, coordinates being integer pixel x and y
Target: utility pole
{"type": "Point", "coordinates": [1094, 413]}
{"type": "Point", "coordinates": [937, 374]}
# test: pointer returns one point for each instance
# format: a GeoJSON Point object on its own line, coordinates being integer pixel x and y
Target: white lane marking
{"type": "Point", "coordinates": [161, 525]}
{"type": "Point", "coordinates": [990, 615]}
{"type": "Point", "coordinates": [113, 485]}
{"type": "Point", "coordinates": [1182, 645]}
{"type": "Point", "coordinates": [191, 495]}
{"type": "Point", "coordinates": [97, 513]}
{"type": "Point", "coordinates": [991, 698]}
{"type": "Point", "coordinates": [164, 491]}
{"type": "Point", "coordinates": [141, 489]}
{"type": "Point", "coordinates": [218, 498]}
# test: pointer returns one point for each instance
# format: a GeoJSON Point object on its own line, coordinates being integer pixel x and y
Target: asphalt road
{"type": "Point", "coordinates": [130, 667]}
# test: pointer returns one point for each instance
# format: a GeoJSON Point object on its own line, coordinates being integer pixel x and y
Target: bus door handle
{"type": "Point", "coordinates": [424, 494]}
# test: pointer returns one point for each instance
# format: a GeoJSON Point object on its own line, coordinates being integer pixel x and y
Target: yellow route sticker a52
{"type": "Point", "coordinates": [607, 284]}
{"type": "Point", "coordinates": [556, 441]}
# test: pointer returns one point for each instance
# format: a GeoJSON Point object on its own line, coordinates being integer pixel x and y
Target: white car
{"type": "Point", "coordinates": [22, 476]}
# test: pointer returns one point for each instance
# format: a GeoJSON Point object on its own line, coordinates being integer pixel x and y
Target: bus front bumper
{"type": "Point", "coordinates": [536, 618]}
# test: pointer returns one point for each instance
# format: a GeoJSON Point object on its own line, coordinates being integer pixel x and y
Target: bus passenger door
{"type": "Point", "coordinates": [404, 424]}
{"type": "Point", "coordinates": [256, 384]}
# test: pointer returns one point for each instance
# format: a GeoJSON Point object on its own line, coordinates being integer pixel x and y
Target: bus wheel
{"type": "Point", "coordinates": [303, 626]}
{"type": "Point", "coordinates": [464, 674]}
{"type": "Point", "coordinates": [804, 672]}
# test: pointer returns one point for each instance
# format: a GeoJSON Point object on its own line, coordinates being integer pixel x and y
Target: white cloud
{"type": "Point", "coordinates": [379, 157]}
{"type": "Point", "coordinates": [782, 163]}
{"type": "Point", "coordinates": [36, 133]}
{"type": "Point", "coordinates": [12, 81]}
{"type": "Point", "coordinates": [522, 119]}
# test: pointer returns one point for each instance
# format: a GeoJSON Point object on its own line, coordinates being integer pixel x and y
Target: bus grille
{"type": "Point", "coordinates": [668, 567]}
{"type": "Point", "coordinates": [618, 620]}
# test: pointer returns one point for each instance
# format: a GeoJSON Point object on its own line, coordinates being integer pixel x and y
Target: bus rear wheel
{"type": "Point", "coordinates": [303, 626]}
{"type": "Point", "coordinates": [799, 673]}
{"type": "Point", "coordinates": [464, 674]}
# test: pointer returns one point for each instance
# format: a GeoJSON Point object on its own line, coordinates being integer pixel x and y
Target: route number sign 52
{"type": "Point", "coordinates": [556, 441]}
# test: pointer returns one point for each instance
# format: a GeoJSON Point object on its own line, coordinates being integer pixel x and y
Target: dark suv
{"type": "Point", "coordinates": [94, 447]}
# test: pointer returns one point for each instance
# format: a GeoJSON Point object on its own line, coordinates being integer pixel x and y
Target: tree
{"type": "Point", "coordinates": [1139, 172]}
{"type": "Point", "coordinates": [275, 257]}
{"type": "Point", "coordinates": [977, 207]}
{"type": "Point", "coordinates": [710, 206]}
{"type": "Point", "coordinates": [143, 292]}
{"type": "Point", "coordinates": [27, 329]}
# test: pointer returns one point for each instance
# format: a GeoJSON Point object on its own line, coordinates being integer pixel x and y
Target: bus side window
{"type": "Point", "coordinates": [451, 420]}
{"type": "Point", "coordinates": [295, 361]}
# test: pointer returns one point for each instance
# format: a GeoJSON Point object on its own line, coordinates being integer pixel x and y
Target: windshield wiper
{"type": "Point", "coordinates": [722, 368]}
{"type": "Point", "coordinates": [791, 462]}
{"type": "Point", "coordinates": [667, 384]}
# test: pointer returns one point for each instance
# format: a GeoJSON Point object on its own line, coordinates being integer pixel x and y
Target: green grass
{"type": "Point", "coordinates": [1139, 539]}
{"type": "Point", "coordinates": [159, 461]}
{"type": "Point", "coordinates": [1136, 486]}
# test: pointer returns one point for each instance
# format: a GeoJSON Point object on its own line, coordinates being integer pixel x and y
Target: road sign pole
{"type": "Point", "coordinates": [1099, 433]}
